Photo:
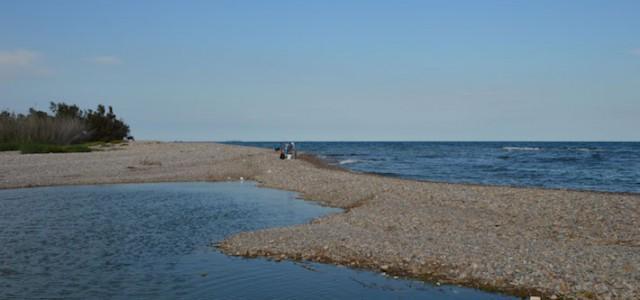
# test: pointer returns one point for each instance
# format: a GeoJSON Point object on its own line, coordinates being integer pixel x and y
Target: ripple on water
{"type": "Point", "coordinates": [150, 241]}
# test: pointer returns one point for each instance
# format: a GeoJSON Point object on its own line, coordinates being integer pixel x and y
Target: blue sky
{"type": "Point", "coordinates": [332, 70]}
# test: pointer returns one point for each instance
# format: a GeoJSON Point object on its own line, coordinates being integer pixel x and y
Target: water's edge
{"type": "Point", "coordinates": [296, 198]}
{"type": "Point", "coordinates": [323, 163]}
{"type": "Point", "coordinates": [581, 166]}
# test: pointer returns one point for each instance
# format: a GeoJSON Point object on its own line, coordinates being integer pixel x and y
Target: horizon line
{"type": "Point", "coordinates": [418, 141]}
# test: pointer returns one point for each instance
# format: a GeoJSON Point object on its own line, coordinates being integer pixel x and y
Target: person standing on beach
{"type": "Point", "coordinates": [294, 150]}
{"type": "Point", "coordinates": [283, 151]}
{"type": "Point", "coordinates": [290, 150]}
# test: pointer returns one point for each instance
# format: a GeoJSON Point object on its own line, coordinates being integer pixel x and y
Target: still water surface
{"type": "Point", "coordinates": [154, 241]}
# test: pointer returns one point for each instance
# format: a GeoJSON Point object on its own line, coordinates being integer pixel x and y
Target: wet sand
{"type": "Point", "coordinates": [522, 241]}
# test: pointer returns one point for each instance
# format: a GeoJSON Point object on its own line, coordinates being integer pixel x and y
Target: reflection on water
{"type": "Point", "coordinates": [150, 241]}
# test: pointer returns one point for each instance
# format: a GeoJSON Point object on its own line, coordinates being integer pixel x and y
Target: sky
{"type": "Point", "coordinates": [333, 70]}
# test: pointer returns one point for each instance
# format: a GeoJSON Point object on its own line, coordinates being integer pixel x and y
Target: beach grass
{"type": "Point", "coordinates": [9, 146]}
{"type": "Point", "coordinates": [28, 148]}
{"type": "Point", "coordinates": [46, 148]}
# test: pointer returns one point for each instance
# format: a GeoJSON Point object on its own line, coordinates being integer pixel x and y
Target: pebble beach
{"type": "Point", "coordinates": [521, 241]}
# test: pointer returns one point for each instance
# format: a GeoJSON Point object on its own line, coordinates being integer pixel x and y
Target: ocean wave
{"type": "Point", "coordinates": [377, 159]}
{"type": "Point", "coordinates": [348, 161]}
{"type": "Point", "coordinates": [588, 150]}
{"type": "Point", "coordinates": [561, 159]}
{"type": "Point", "coordinates": [428, 156]}
{"type": "Point", "coordinates": [388, 174]}
{"type": "Point", "coordinates": [343, 154]}
{"type": "Point", "coordinates": [521, 148]}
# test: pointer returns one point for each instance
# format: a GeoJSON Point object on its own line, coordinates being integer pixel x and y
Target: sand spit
{"type": "Point", "coordinates": [517, 240]}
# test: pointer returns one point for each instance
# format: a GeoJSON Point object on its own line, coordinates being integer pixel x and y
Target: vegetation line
{"type": "Point", "coordinates": [67, 129]}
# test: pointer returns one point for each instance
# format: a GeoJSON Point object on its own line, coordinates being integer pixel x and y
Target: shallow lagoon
{"type": "Point", "coordinates": [150, 241]}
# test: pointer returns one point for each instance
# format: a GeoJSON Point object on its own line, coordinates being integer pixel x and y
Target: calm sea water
{"type": "Point", "coordinates": [154, 241]}
{"type": "Point", "coordinates": [598, 166]}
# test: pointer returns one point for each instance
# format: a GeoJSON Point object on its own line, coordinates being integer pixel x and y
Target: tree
{"type": "Point", "coordinates": [105, 126]}
{"type": "Point", "coordinates": [63, 110]}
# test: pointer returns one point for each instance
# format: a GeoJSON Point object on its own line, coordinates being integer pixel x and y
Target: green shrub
{"type": "Point", "coordinates": [9, 146]}
{"type": "Point", "coordinates": [46, 148]}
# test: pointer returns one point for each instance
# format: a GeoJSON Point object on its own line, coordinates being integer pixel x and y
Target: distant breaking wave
{"type": "Point", "coordinates": [588, 150]}
{"type": "Point", "coordinates": [348, 161]}
{"type": "Point", "coordinates": [521, 148]}
{"type": "Point", "coordinates": [599, 166]}
{"type": "Point", "coordinates": [511, 148]}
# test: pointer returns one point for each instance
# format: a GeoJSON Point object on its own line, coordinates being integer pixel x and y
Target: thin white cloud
{"type": "Point", "coordinates": [18, 58]}
{"type": "Point", "coordinates": [106, 60]}
{"type": "Point", "coordinates": [21, 63]}
{"type": "Point", "coordinates": [635, 51]}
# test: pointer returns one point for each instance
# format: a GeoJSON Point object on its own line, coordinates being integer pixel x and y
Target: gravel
{"type": "Point", "coordinates": [522, 241]}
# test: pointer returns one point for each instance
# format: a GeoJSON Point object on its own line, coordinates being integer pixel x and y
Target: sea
{"type": "Point", "coordinates": [592, 166]}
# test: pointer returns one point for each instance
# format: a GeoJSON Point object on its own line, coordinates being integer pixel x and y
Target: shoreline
{"type": "Point", "coordinates": [519, 240]}
{"type": "Point", "coordinates": [321, 163]}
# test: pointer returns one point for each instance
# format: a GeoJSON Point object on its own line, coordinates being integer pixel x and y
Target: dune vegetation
{"type": "Point", "coordinates": [66, 129]}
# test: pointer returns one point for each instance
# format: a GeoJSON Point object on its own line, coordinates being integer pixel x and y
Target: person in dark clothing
{"type": "Point", "coordinates": [281, 149]}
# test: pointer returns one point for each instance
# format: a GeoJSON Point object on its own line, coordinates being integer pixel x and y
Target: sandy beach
{"type": "Point", "coordinates": [522, 241]}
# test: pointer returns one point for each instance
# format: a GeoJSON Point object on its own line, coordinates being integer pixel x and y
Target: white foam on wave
{"type": "Point", "coordinates": [521, 148]}
{"type": "Point", "coordinates": [348, 161]}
